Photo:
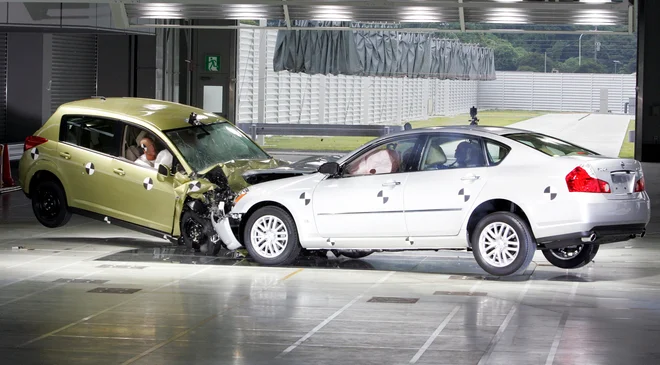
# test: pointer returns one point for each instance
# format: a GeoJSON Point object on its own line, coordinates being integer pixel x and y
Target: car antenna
{"type": "Point", "coordinates": [98, 97]}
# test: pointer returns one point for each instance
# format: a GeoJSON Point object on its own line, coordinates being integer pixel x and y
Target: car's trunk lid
{"type": "Point", "coordinates": [621, 174]}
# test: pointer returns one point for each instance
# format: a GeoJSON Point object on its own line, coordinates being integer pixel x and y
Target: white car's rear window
{"type": "Point", "coordinates": [549, 145]}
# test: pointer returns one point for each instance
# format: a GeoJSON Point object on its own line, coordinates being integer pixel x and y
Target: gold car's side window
{"type": "Point", "coordinates": [144, 149]}
{"type": "Point", "coordinates": [92, 133]}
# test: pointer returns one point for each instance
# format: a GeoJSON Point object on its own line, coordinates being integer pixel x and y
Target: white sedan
{"type": "Point", "coordinates": [502, 193]}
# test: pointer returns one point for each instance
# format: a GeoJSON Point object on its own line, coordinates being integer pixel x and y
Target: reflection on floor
{"type": "Point", "coordinates": [94, 293]}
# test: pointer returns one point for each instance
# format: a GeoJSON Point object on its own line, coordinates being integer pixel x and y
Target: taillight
{"type": "Point", "coordinates": [640, 185]}
{"type": "Point", "coordinates": [580, 181]}
{"type": "Point", "coordinates": [32, 142]}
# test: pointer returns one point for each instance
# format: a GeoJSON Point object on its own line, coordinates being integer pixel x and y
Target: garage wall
{"type": "Point", "coordinates": [285, 97]}
{"type": "Point", "coordinates": [556, 91]}
{"type": "Point", "coordinates": [3, 88]}
{"type": "Point", "coordinates": [74, 68]}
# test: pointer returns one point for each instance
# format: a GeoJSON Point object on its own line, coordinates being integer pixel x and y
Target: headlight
{"type": "Point", "coordinates": [241, 194]}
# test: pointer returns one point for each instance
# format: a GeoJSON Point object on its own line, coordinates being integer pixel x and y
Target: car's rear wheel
{"type": "Point", "coordinates": [49, 204]}
{"type": "Point", "coordinates": [271, 237]}
{"type": "Point", "coordinates": [572, 257]}
{"type": "Point", "coordinates": [502, 244]}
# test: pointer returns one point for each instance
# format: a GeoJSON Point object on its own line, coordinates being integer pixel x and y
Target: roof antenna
{"type": "Point", "coordinates": [98, 97]}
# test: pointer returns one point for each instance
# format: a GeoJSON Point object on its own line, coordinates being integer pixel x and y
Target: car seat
{"type": "Point", "coordinates": [133, 152]}
{"type": "Point", "coordinates": [435, 157]}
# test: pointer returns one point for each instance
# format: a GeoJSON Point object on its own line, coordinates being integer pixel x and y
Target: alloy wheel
{"type": "Point", "coordinates": [499, 244]}
{"type": "Point", "coordinates": [269, 236]}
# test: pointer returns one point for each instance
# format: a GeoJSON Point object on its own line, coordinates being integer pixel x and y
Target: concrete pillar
{"type": "Point", "coordinates": [647, 125]}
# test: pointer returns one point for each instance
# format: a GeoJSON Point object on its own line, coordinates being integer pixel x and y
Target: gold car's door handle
{"type": "Point", "coordinates": [66, 155]}
{"type": "Point", "coordinates": [119, 172]}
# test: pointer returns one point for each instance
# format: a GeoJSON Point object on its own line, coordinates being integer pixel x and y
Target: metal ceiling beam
{"type": "Point", "coordinates": [407, 30]}
{"type": "Point", "coordinates": [573, 5]}
{"type": "Point", "coordinates": [287, 19]}
{"type": "Point", "coordinates": [119, 16]}
{"type": "Point", "coordinates": [461, 16]}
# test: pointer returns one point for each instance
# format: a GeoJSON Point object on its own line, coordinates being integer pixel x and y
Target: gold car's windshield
{"type": "Point", "coordinates": [211, 144]}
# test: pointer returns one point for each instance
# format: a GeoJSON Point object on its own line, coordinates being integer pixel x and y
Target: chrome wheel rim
{"type": "Point", "coordinates": [499, 244]}
{"type": "Point", "coordinates": [269, 236]}
{"type": "Point", "coordinates": [567, 253]}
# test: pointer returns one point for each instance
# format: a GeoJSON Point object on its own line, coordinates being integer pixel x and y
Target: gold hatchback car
{"type": "Point", "coordinates": [158, 167]}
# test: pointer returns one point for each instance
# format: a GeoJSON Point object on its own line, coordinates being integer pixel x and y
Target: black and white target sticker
{"type": "Point", "coordinates": [304, 198]}
{"type": "Point", "coordinates": [550, 193]}
{"type": "Point", "coordinates": [465, 194]}
{"type": "Point", "coordinates": [34, 153]}
{"type": "Point", "coordinates": [195, 186]}
{"type": "Point", "coordinates": [89, 168]}
{"type": "Point", "coordinates": [148, 183]}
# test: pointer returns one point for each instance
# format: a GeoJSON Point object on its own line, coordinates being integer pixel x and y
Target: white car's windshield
{"type": "Point", "coordinates": [549, 145]}
{"type": "Point", "coordinates": [208, 145]}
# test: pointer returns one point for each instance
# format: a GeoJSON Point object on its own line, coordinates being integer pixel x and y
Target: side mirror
{"type": "Point", "coordinates": [329, 168]}
{"type": "Point", "coordinates": [163, 170]}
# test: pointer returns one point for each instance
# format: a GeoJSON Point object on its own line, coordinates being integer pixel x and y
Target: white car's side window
{"type": "Point", "coordinates": [391, 157]}
{"type": "Point", "coordinates": [496, 152]}
{"type": "Point", "coordinates": [452, 151]}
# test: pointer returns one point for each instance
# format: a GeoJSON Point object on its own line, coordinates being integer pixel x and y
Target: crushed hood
{"type": "Point", "coordinates": [305, 166]}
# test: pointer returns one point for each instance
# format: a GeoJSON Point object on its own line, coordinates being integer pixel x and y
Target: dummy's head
{"type": "Point", "coordinates": [149, 148]}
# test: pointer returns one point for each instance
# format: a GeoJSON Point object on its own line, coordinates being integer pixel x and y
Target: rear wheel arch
{"type": "Point", "coordinates": [45, 175]}
{"type": "Point", "coordinates": [492, 206]}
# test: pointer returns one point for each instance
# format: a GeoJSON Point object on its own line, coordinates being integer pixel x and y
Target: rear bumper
{"type": "Point", "coordinates": [595, 235]}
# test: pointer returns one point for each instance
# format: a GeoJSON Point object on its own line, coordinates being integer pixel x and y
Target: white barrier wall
{"type": "Point", "coordinates": [284, 97]}
{"type": "Point", "coordinates": [300, 98]}
{"type": "Point", "coordinates": [556, 91]}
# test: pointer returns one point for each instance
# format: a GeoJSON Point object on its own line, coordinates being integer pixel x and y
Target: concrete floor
{"type": "Point", "coordinates": [602, 133]}
{"type": "Point", "coordinates": [93, 293]}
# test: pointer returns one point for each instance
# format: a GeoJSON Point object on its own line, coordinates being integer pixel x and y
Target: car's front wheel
{"type": "Point", "coordinates": [271, 237]}
{"type": "Point", "coordinates": [502, 244]}
{"type": "Point", "coordinates": [572, 257]}
{"type": "Point", "coordinates": [49, 204]}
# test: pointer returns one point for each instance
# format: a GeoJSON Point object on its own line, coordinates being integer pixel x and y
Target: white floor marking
{"type": "Point", "coordinates": [560, 328]}
{"type": "Point", "coordinates": [500, 332]}
{"type": "Point", "coordinates": [435, 334]}
{"type": "Point", "coordinates": [47, 289]}
{"type": "Point", "coordinates": [333, 316]}
{"type": "Point", "coordinates": [112, 307]}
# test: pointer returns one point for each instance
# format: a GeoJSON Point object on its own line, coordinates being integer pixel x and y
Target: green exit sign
{"type": "Point", "coordinates": [212, 63]}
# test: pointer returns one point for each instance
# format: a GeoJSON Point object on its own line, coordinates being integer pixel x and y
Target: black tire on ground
{"type": "Point", "coordinates": [355, 254]}
{"type": "Point", "coordinates": [526, 243]}
{"type": "Point", "coordinates": [192, 231]}
{"type": "Point", "coordinates": [49, 204]}
{"type": "Point", "coordinates": [572, 257]}
{"type": "Point", "coordinates": [292, 246]}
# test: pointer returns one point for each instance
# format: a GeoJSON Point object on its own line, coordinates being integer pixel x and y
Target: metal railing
{"type": "Point", "coordinates": [343, 130]}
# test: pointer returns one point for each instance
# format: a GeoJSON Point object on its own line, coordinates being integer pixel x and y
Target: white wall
{"type": "Point", "coordinates": [556, 91]}
{"type": "Point", "coordinates": [300, 98]}
{"type": "Point", "coordinates": [284, 97]}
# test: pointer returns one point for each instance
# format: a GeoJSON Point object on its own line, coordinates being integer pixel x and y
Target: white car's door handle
{"type": "Point", "coordinates": [391, 183]}
{"type": "Point", "coordinates": [470, 177]}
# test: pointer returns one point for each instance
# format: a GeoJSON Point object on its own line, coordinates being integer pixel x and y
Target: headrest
{"type": "Point", "coordinates": [140, 135]}
{"type": "Point", "coordinates": [435, 155]}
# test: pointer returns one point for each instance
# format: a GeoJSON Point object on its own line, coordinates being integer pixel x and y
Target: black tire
{"type": "Point", "coordinates": [526, 243]}
{"type": "Point", "coordinates": [573, 257]}
{"type": "Point", "coordinates": [355, 254]}
{"type": "Point", "coordinates": [192, 231]}
{"type": "Point", "coordinates": [49, 204]}
{"type": "Point", "coordinates": [292, 246]}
